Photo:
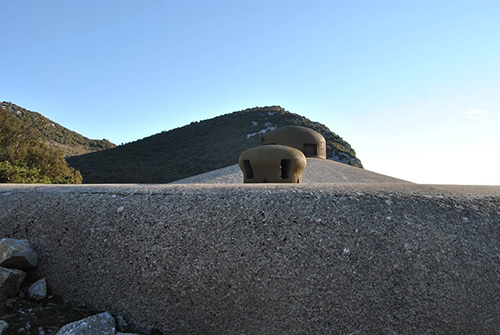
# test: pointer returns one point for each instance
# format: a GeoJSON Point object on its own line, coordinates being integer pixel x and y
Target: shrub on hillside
{"type": "Point", "coordinates": [24, 159]}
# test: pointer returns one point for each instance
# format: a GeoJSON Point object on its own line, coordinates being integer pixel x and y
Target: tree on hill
{"type": "Point", "coordinates": [24, 159]}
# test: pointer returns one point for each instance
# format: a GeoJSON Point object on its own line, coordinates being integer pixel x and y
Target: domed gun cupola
{"type": "Point", "coordinates": [310, 142]}
{"type": "Point", "coordinates": [272, 164]}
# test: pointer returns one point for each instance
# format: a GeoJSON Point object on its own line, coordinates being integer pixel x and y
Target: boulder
{"type": "Point", "coordinates": [38, 290]}
{"type": "Point", "coordinates": [17, 254]}
{"type": "Point", "coordinates": [98, 324]}
{"type": "Point", "coordinates": [10, 282]}
{"type": "Point", "coordinates": [3, 327]}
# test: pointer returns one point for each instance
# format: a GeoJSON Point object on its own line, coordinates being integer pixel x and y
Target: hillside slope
{"type": "Point", "coordinates": [54, 135]}
{"type": "Point", "coordinates": [25, 159]}
{"type": "Point", "coordinates": [198, 147]}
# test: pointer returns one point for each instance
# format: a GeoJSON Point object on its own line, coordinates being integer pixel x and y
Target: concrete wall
{"type": "Point", "coordinates": [270, 259]}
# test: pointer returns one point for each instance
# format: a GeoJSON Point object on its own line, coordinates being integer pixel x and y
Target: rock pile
{"type": "Point", "coordinates": [17, 258]}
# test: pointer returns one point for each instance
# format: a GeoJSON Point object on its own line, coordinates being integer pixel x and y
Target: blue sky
{"type": "Point", "coordinates": [414, 87]}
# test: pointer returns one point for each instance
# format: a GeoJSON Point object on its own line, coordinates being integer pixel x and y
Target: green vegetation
{"type": "Point", "coordinates": [54, 135]}
{"type": "Point", "coordinates": [198, 147]}
{"type": "Point", "coordinates": [32, 148]}
{"type": "Point", "coordinates": [24, 159]}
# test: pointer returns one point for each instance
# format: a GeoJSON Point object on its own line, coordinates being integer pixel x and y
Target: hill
{"type": "Point", "coordinates": [198, 147]}
{"type": "Point", "coordinates": [54, 135]}
{"type": "Point", "coordinates": [25, 159]}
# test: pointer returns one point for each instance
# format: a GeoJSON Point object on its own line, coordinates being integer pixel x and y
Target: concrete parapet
{"type": "Point", "coordinates": [270, 259]}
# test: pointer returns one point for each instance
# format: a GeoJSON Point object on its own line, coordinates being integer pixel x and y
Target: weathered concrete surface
{"type": "Point", "coordinates": [270, 259]}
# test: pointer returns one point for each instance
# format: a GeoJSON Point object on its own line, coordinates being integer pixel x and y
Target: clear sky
{"type": "Point", "coordinates": [413, 86]}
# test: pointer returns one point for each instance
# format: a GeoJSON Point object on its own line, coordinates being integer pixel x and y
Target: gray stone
{"type": "Point", "coordinates": [3, 327]}
{"type": "Point", "coordinates": [38, 290]}
{"type": "Point", "coordinates": [99, 324]}
{"type": "Point", "coordinates": [17, 254]}
{"type": "Point", "coordinates": [10, 282]}
{"type": "Point", "coordinates": [121, 323]}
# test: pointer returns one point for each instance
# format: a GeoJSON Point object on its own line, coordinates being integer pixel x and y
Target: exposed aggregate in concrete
{"type": "Point", "coordinates": [273, 259]}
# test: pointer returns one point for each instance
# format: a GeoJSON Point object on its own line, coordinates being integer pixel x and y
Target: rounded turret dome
{"type": "Point", "coordinates": [310, 142]}
{"type": "Point", "coordinates": [272, 164]}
